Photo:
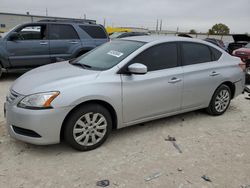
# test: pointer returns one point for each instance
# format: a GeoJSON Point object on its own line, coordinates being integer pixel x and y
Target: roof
{"type": "Point", "coordinates": [40, 16]}
{"type": "Point", "coordinates": [159, 38]}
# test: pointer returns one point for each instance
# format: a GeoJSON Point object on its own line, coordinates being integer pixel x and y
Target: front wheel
{"type": "Point", "coordinates": [220, 101]}
{"type": "Point", "coordinates": [88, 127]}
{"type": "Point", "coordinates": [1, 70]}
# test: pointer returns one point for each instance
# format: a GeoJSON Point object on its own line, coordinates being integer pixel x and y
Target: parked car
{"type": "Point", "coordinates": [184, 35]}
{"type": "Point", "coordinates": [34, 44]}
{"type": "Point", "coordinates": [248, 73]}
{"type": "Point", "coordinates": [122, 83]}
{"type": "Point", "coordinates": [217, 42]}
{"type": "Point", "coordinates": [244, 54]}
{"type": "Point", "coordinates": [127, 34]}
{"type": "Point", "coordinates": [240, 40]}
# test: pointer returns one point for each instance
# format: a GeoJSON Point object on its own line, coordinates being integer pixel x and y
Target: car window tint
{"type": "Point", "coordinates": [94, 31]}
{"type": "Point", "coordinates": [194, 53]}
{"type": "Point", "coordinates": [216, 53]}
{"type": "Point", "coordinates": [34, 32]}
{"type": "Point", "coordinates": [60, 32]}
{"type": "Point", "coordinates": [161, 56]}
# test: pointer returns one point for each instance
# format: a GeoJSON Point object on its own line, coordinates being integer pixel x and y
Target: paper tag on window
{"type": "Point", "coordinates": [115, 53]}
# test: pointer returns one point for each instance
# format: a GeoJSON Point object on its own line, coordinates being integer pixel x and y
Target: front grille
{"type": "Point", "coordinates": [12, 96]}
{"type": "Point", "coordinates": [25, 132]}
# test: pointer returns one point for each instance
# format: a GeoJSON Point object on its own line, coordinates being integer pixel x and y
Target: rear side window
{"type": "Point", "coordinates": [194, 53]}
{"type": "Point", "coordinates": [216, 54]}
{"type": "Point", "coordinates": [94, 31]}
{"type": "Point", "coordinates": [62, 32]}
{"type": "Point", "coordinates": [161, 56]}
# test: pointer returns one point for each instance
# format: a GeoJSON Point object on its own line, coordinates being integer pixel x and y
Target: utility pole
{"type": "Point", "coordinates": [104, 22]}
{"type": "Point", "coordinates": [160, 25]}
{"type": "Point", "coordinates": [156, 29]}
{"type": "Point", "coordinates": [46, 12]}
{"type": "Point", "coordinates": [84, 16]}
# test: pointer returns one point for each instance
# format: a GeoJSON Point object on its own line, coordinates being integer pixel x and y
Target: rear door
{"type": "Point", "coordinates": [159, 90]}
{"type": "Point", "coordinates": [201, 74]}
{"type": "Point", "coordinates": [31, 48]}
{"type": "Point", "coordinates": [97, 33]}
{"type": "Point", "coordinates": [64, 41]}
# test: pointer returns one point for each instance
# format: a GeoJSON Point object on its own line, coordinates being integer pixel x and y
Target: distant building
{"type": "Point", "coordinates": [10, 20]}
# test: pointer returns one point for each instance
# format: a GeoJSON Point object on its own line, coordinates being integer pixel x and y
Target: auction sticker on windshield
{"type": "Point", "coordinates": [115, 53]}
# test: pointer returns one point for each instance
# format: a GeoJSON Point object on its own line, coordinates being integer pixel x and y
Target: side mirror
{"type": "Point", "coordinates": [137, 68]}
{"type": "Point", "coordinates": [13, 36]}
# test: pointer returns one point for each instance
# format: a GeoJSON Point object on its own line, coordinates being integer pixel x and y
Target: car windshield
{"type": "Point", "coordinates": [107, 55]}
{"type": "Point", "coordinates": [248, 45]}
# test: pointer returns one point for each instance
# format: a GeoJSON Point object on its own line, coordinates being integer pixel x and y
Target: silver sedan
{"type": "Point", "coordinates": [121, 83]}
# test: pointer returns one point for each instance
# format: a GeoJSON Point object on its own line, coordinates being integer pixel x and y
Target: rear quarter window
{"type": "Point", "coordinates": [95, 32]}
{"type": "Point", "coordinates": [216, 54]}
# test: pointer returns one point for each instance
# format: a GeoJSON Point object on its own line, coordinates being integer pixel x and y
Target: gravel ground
{"type": "Point", "coordinates": [217, 147]}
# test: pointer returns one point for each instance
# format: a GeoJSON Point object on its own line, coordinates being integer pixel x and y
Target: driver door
{"type": "Point", "coordinates": [158, 92]}
{"type": "Point", "coordinates": [31, 48]}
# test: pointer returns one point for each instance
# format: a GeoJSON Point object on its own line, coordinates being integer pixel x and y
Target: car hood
{"type": "Point", "coordinates": [241, 37]}
{"type": "Point", "coordinates": [52, 77]}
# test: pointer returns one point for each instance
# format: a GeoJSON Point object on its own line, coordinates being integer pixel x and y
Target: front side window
{"type": "Point", "coordinates": [161, 56]}
{"type": "Point", "coordinates": [107, 55]}
{"type": "Point", "coordinates": [62, 32]}
{"type": "Point", "coordinates": [94, 31]}
{"type": "Point", "coordinates": [32, 32]}
{"type": "Point", "coordinates": [194, 53]}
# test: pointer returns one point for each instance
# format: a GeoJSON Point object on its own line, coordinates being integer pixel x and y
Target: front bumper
{"type": "Point", "coordinates": [46, 123]}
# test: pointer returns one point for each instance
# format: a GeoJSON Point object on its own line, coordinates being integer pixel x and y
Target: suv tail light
{"type": "Point", "coordinates": [242, 66]}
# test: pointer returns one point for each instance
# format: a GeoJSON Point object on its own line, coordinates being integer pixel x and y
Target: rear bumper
{"type": "Point", "coordinates": [239, 87]}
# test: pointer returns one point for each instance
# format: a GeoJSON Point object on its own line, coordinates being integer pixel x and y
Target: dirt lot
{"type": "Point", "coordinates": [218, 147]}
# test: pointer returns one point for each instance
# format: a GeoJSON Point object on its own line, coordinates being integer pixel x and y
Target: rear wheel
{"type": "Point", "coordinates": [88, 127]}
{"type": "Point", "coordinates": [220, 101]}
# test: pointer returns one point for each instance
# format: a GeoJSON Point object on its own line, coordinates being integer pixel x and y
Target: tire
{"type": "Point", "coordinates": [81, 133]}
{"type": "Point", "coordinates": [1, 70]}
{"type": "Point", "coordinates": [220, 101]}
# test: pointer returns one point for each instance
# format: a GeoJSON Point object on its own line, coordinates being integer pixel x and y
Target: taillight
{"type": "Point", "coordinates": [242, 66]}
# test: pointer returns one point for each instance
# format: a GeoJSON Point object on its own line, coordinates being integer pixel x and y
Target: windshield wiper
{"type": "Point", "coordinates": [82, 65]}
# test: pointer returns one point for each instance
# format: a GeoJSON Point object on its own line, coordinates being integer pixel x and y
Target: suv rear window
{"type": "Point", "coordinates": [96, 32]}
{"type": "Point", "coordinates": [62, 31]}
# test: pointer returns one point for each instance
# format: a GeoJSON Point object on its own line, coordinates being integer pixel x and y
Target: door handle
{"type": "Point", "coordinates": [73, 42]}
{"type": "Point", "coordinates": [174, 80]}
{"type": "Point", "coordinates": [43, 43]}
{"type": "Point", "coordinates": [214, 73]}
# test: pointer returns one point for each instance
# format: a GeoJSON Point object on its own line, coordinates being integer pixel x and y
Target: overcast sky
{"type": "Point", "coordinates": [185, 14]}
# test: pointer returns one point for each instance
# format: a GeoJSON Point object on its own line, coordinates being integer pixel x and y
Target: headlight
{"type": "Point", "coordinates": [38, 101]}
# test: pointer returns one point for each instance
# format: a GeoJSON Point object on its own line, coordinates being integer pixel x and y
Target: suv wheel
{"type": "Point", "coordinates": [220, 101]}
{"type": "Point", "coordinates": [88, 127]}
{"type": "Point", "coordinates": [1, 70]}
